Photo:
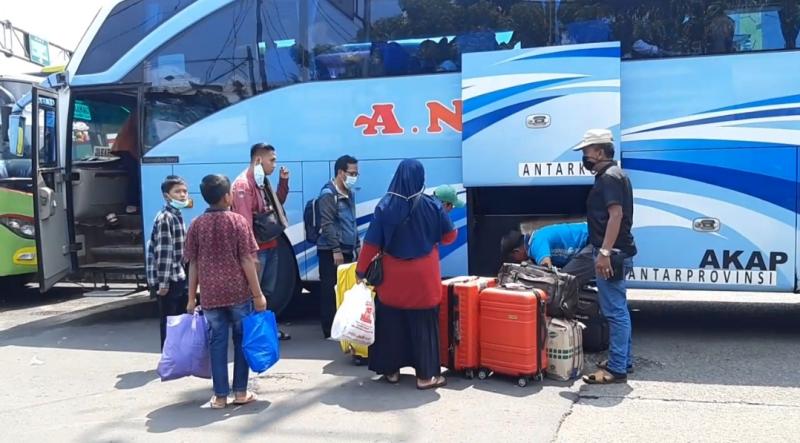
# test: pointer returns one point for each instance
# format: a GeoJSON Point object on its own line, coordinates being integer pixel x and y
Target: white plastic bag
{"type": "Point", "coordinates": [355, 318]}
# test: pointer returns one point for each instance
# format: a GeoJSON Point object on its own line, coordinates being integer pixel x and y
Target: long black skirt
{"type": "Point", "coordinates": [405, 338]}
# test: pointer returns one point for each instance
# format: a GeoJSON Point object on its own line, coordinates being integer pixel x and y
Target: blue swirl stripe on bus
{"type": "Point", "coordinates": [583, 50]}
{"type": "Point", "coordinates": [478, 124]}
{"type": "Point", "coordinates": [479, 101]}
{"type": "Point", "coordinates": [789, 99]}
{"type": "Point", "coordinates": [612, 51]}
{"type": "Point", "coordinates": [668, 144]}
{"type": "Point", "coordinates": [781, 112]}
{"type": "Point", "coordinates": [774, 190]}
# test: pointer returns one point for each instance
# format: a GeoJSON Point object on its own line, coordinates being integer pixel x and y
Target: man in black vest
{"type": "Point", "coordinates": [609, 212]}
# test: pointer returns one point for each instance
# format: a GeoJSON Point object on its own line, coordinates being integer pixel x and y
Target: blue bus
{"type": "Point", "coordinates": [702, 96]}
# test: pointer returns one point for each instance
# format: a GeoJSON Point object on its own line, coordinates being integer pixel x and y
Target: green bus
{"type": "Point", "coordinates": [18, 262]}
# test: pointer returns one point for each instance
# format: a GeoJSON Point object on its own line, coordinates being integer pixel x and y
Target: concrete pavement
{"type": "Point", "coordinates": [705, 372]}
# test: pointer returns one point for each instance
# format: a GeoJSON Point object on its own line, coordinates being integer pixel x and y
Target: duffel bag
{"type": "Point", "coordinates": [561, 288]}
{"type": "Point", "coordinates": [596, 332]}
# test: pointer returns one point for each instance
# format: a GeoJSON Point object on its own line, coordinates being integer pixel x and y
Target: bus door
{"type": "Point", "coordinates": [53, 246]}
{"type": "Point", "coordinates": [524, 110]}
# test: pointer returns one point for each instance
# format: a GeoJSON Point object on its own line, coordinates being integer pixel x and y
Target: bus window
{"type": "Point", "coordinates": [138, 18]}
{"type": "Point", "coordinates": [98, 125]}
{"type": "Point", "coordinates": [237, 52]}
{"type": "Point", "coordinates": [657, 28]}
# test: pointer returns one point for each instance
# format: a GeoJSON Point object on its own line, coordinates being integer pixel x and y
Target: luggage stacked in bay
{"type": "Point", "coordinates": [562, 290]}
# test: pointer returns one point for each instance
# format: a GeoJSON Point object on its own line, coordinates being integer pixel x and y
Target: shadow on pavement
{"type": "Point", "coordinates": [136, 379]}
{"type": "Point", "coordinates": [195, 413]}
{"type": "Point", "coordinates": [23, 297]}
{"type": "Point", "coordinates": [368, 395]}
{"type": "Point", "coordinates": [708, 343]}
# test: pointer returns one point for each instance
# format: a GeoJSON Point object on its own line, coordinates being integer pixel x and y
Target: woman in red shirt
{"type": "Point", "coordinates": [408, 226]}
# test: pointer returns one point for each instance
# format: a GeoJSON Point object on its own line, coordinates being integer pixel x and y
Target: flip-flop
{"type": "Point", "coordinates": [249, 398]}
{"type": "Point", "coordinates": [441, 382]}
{"type": "Point", "coordinates": [603, 364]}
{"type": "Point", "coordinates": [603, 377]}
{"type": "Point", "coordinates": [215, 404]}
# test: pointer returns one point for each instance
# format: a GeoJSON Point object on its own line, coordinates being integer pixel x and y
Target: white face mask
{"type": "Point", "coordinates": [350, 181]}
{"type": "Point", "coordinates": [410, 196]}
{"type": "Point", "coordinates": [177, 204]}
{"type": "Point", "coordinates": [259, 175]}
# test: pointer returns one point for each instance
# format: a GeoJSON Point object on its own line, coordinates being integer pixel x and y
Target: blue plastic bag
{"type": "Point", "coordinates": [185, 348]}
{"type": "Point", "coordinates": [260, 340]}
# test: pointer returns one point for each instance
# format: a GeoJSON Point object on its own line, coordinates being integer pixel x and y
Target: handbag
{"type": "Point", "coordinates": [374, 274]}
{"type": "Point", "coordinates": [617, 265]}
{"type": "Point", "coordinates": [266, 227]}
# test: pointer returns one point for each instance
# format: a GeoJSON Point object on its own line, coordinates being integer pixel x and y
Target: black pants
{"type": "Point", "coordinates": [327, 292]}
{"type": "Point", "coordinates": [174, 303]}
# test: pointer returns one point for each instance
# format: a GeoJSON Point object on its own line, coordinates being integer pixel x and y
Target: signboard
{"type": "Point", "coordinates": [39, 50]}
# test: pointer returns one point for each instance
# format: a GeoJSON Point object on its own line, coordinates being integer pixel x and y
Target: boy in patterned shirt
{"type": "Point", "coordinates": [221, 252]}
{"type": "Point", "coordinates": [165, 273]}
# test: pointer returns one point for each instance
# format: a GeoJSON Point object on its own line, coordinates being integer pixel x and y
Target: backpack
{"type": "Point", "coordinates": [311, 217]}
{"type": "Point", "coordinates": [561, 288]}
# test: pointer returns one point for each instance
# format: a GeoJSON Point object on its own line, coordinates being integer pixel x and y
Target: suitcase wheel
{"type": "Point", "coordinates": [522, 382]}
{"type": "Point", "coordinates": [483, 374]}
{"type": "Point", "coordinates": [470, 374]}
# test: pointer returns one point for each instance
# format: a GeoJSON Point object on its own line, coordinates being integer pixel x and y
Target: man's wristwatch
{"type": "Point", "coordinates": [605, 252]}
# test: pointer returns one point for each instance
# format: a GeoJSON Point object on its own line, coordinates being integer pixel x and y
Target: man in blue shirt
{"type": "Point", "coordinates": [562, 245]}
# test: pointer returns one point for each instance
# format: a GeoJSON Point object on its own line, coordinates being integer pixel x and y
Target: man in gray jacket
{"type": "Point", "coordinates": [338, 240]}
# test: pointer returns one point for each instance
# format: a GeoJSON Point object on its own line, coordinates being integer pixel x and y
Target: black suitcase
{"type": "Point", "coordinates": [595, 335]}
{"type": "Point", "coordinates": [561, 288]}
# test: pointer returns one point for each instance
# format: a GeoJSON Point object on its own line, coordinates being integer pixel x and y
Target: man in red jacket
{"type": "Point", "coordinates": [253, 195]}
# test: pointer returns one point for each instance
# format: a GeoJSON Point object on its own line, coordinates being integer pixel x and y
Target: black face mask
{"type": "Point", "coordinates": [588, 162]}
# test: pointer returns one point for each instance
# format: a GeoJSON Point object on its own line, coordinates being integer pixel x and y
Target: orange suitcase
{"type": "Point", "coordinates": [513, 331]}
{"type": "Point", "coordinates": [458, 323]}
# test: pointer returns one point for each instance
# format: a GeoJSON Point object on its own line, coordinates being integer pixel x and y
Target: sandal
{"type": "Point", "coordinates": [392, 379]}
{"type": "Point", "coordinates": [603, 377]}
{"type": "Point", "coordinates": [218, 402]}
{"type": "Point", "coordinates": [603, 364]}
{"type": "Point", "coordinates": [283, 336]}
{"type": "Point", "coordinates": [436, 382]}
{"type": "Point", "coordinates": [248, 398]}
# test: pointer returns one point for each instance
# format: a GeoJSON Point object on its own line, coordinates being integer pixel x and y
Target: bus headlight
{"type": "Point", "coordinates": [19, 225]}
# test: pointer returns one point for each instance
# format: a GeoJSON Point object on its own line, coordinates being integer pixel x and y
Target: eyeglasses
{"type": "Point", "coordinates": [352, 173]}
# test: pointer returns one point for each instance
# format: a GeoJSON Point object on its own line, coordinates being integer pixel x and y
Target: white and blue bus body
{"type": "Point", "coordinates": [709, 140]}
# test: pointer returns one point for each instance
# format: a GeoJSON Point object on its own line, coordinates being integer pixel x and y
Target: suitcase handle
{"type": "Point", "coordinates": [451, 324]}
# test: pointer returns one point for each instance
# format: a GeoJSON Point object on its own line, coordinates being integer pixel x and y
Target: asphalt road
{"type": "Point", "coordinates": [705, 371]}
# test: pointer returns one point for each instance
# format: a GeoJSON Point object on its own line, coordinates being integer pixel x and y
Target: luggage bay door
{"type": "Point", "coordinates": [525, 109]}
{"type": "Point", "coordinates": [53, 249]}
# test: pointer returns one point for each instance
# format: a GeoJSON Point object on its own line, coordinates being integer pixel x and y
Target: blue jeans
{"type": "Point", "coordinates": [614, 304]}
{"type": "Point", "coordinates": [220, 321]}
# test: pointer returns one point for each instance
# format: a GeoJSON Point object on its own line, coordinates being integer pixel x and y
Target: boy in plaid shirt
{"type": "Point", "coordinates": [165, 274]}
